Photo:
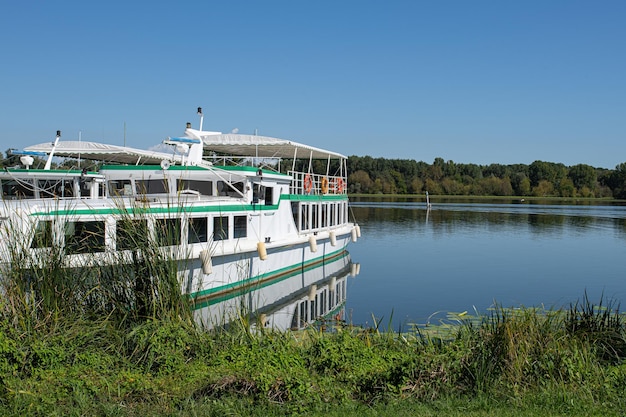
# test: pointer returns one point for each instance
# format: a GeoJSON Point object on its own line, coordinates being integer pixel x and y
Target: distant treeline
{"type": "Point", "coordinates": [542, 179]}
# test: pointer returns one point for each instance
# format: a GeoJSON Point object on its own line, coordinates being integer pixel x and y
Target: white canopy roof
{"type": "Point", "coordinates": [104, 152]}
{"type": "Point", "coordinates": [259, 146]}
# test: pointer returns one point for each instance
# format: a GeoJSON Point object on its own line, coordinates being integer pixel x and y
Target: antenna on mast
{"type": "Point", "coordinates": [201, 117]}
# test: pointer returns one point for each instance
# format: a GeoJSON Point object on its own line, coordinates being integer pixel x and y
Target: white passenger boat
{"type": "Point", "coordinates": [233, 210]}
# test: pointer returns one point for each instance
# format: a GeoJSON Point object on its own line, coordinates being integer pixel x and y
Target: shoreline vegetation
{"type": "Point", "coordinates": [539, 179]}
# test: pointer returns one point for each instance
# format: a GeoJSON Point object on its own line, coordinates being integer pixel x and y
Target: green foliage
{"type": "Point", "coordinates": [544, 179]}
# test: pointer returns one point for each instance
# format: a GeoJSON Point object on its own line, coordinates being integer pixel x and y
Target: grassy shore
{"type": "Point", "coordinates": [509, 363]}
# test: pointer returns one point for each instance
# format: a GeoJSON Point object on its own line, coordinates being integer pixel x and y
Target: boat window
{"type": "Point", "coordinates": [314, 216]}
{"type": "Point", "coordinates": [14, 189]}
{"type": "Point", "coordinates": [240, 225]}
{"type": "Point", "coordinates": [305, 217]}
{"type": "Point", "coordinates": [167, 232]}
{"type": "Point", "coordinates": [151, 186]}
{"type": "Point", "coordinates": [84, 237]}
{"type": "Point", "coordinates": [220, 228]}
{"type": "Point", "coordinates": [333, 214]}
{"type": "Point", "coordinates": [131, 234]}
{"type": "Point", "coordinates": [198, 230]}
{"type": "Point", "coordinates": [224, 189]}
{"type": "Point", "coordinates": [269, 196]}
{"type": "Point", "coordinates": [203, 187]}
{"type": "Point", "coordinates": [120, 187]}
{"type": "Point", "coordinates": [43, 235]}
{"type": "Point", "coordinates": [324, 215]}
{"type": "Point", "coordinates": [55, 188]}
{"type": "Point", "coordinates": [294, 213]}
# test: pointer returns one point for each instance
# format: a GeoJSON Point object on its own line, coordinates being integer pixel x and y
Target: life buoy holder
{"type": "Point", "coordinates": [308, 183]}
{"type": "Point", "coordinates": [324, 185]}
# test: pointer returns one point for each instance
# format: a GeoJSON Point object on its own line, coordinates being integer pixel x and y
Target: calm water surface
{"type": "Point", "coordinates": [419, 264]}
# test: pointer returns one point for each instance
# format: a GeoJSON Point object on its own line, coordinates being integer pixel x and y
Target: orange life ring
{"type": "Point", "coordinates": [308, 183]}
{"type": "Point", "coordinates": [339, 185]}
{"type": "Point", "coordinates": [324, 185]}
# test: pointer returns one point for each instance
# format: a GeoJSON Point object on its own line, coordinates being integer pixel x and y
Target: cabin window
{"type": "Point", "coordinates": [85, 187]}
{"type": "Point", "coordinates": [203, 187]}
{"type": "Point", "coordinates": [235, 189]}
{"type": "Point", "coordinates": [159, 186]}
{"type": "Point", "coordinates": [55, 188]}
{"type": "Point", "coordinates": [120, 187]}
{"type": "Point", "coordinates": [198, 230]}
{"type": "Point", "coordinates": [84, 237]}
{"type": "Point", "coordinates": [12, 189]}
{"type": "Point", "coordinates": [294, 213]}
{"type": "Point", "coordinates": [43, 235]}
{"type": "Point", "coordinates": [305, 217]}
{"type": "Point", "coordinates": [220, 228]}
{"type": "Point", "coordinates": [314, 216]}
{"type": "Point", "coordinates": [324, 215]}
{"type": "Point", "coordinates": [240, 225]}
{"type": "Point", "coordinates": [167, 232]}
{"type": "Point", "coordinates": [333, 214]}
{"type": "Point", "coordinates": [131, 234]}
{"type": "Point", "coordinates": [269, 196]}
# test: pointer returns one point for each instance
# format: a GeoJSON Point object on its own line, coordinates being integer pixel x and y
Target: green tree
{"type": "Point", "coordinates": [543, 189]}
{"type": "Point", "coordinates": [566, 188]}
{"type": "Point", "coordinates": [583, 176]}
{"type": "Point", "coordinates": [360, 182]}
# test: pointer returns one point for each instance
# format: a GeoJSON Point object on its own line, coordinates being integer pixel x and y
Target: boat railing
{"type": "Point", "coordinates": [305, 183]}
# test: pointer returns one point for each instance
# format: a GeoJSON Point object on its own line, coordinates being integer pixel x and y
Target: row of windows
{"type": "Point", "coordinates": [313, 216]}
{"type": "Point", "coordinates": [61, 188]}
{"type": "Point", "coordinates": [161, 186]}
{"type": "Point", "coordinates": [127, 187]}
{"type": "Point", "coordinates": [89, 236]}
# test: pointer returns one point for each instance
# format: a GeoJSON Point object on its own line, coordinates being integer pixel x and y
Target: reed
{"type": "Point", "coordinates": [45, 281]}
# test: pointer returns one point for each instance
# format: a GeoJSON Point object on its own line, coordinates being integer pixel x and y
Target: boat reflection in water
{"type": "Point", "coordinates": [311, 293]}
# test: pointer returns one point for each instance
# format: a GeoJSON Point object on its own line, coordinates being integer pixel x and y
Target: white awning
{"type": "Point", "coordinates": [260, 146]}
{"type": "Point", "coordinates": [104, 152]}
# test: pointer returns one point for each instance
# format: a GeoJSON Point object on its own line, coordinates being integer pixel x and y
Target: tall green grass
{"type": "Point", "coordinates": [48, 284]}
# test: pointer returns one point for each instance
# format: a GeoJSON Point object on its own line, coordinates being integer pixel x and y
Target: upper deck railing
{"type": "Point", "coordinates": [317, 184]}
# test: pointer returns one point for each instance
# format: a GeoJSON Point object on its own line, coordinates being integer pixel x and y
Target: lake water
{"type": "Point", "coordinates": [418, 264]}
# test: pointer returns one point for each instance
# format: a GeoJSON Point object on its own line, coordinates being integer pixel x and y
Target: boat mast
{"type": "Point", "coordinates": [54, 145]}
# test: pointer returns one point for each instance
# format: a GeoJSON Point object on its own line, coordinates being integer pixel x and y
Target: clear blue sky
{"type": "Point", "coordinates": [469, 81]}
